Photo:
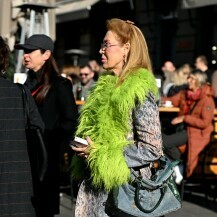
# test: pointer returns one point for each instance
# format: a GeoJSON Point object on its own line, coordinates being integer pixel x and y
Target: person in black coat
{"type": "Point", "coordinates": [54, 98]}
{"type": "Point", "coordinates": [16, 187]}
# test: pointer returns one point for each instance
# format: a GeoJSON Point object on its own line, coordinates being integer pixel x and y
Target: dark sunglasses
{"type": "Point", "coordinates": [84, 74]}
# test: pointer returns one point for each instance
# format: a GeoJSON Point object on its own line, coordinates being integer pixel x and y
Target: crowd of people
{"type": "Point", "coordinates": [118, 119]}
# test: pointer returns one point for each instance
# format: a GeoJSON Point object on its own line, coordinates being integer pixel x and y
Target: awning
{"type": "Point", "coordinates": [74, 10]}
{"type": "Point", "coordinates": [114, 1]}
{"type": "Point", "coordinates": [187, 4]}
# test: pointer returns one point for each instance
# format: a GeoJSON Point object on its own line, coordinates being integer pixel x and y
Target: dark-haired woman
{"type": "Point", "coordinates": [56, 104]}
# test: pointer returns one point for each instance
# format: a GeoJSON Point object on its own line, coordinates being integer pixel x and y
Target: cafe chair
{"type": "Point", "coordinates": [204, 178]}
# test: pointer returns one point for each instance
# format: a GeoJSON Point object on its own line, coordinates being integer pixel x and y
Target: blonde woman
{"type": "Point", "coordinates": [180, 81]}
{"type": "Point", "coordinates": [120, 120]}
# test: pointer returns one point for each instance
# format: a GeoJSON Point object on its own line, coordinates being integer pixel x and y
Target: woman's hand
{"type": "Point", "coordinates": [83, 151]}
{"type": "Point", "coordinates": [177, 120]}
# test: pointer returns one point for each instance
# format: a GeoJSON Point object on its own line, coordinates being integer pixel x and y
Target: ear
{"type": "Point", "coordinates": [126, 48]}
{"type": "Point", "coordinates": [92, 74]}
{"type": "Point", "coordinates": [46, 54]}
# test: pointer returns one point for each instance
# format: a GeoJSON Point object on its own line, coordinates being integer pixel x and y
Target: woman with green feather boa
{"type": "Point", "coordinates": [120, 120]}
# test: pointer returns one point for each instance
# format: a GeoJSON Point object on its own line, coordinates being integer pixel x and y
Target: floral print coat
{"type": "Point", "coordinates": [146, 132]}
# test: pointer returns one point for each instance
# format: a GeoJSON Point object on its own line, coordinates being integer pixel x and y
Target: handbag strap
{"type": "Point", "coordinates": [25, 106]}
{"type": "Point", "coordinates": [37, 90]}
{"type": "Point", "coordinates": [191, 110]}
{"type": "Point", "coordinates": [41, 144]}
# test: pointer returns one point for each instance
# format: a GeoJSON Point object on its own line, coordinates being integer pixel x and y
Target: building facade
{"type": "Point", "coordinates": [174, 30]}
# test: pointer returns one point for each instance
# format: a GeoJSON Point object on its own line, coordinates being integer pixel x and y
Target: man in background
{"type": "Point", "coordinates": [202, 64]}
{"type": "Point", "coordinates": [168, 70]}
{"type": "Point", "coordinates": [81, 88]}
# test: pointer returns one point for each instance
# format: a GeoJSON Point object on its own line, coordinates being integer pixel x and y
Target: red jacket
{"type": "Point", "coordinates": [199, 123]}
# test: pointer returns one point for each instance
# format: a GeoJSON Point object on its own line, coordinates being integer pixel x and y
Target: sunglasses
{"type": "Point", "coordinates": [84, 74]}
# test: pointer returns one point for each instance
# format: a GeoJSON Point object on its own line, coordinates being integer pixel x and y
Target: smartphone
{"type": "Point", "coordinates": [79, 142]}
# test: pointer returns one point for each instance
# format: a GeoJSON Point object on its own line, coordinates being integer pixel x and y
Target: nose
{"type": "Point", "coordinates": [25, 54]}
{"type": "Point", "coordinates": [101, 50]}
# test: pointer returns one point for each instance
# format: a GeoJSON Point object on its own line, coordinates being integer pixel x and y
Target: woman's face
{"type": "Point", "coordinates": [192, 82]}
{"type": "Point", "coordinates": [34, 60]}
{"type": "Point", "coordinates": [112, 53]}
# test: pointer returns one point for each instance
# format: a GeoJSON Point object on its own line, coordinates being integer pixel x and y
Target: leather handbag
{"type": "Point", "coordinates": [143, 197]}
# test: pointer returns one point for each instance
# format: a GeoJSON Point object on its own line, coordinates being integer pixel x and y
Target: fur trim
{"type": "Point", "coordinates": [106, 119]}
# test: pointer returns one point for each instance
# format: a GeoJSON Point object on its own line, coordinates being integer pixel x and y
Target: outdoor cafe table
{"type": "Point", "coordinates": [169, 109]}
{"type": "Point", "coordinates": [161, 108]}
{"type": "Point", "coordinates": [176, 109]}
{"type": "Point", "coordinates": [166, 114]}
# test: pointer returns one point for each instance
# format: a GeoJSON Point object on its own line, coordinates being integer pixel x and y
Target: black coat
{"type": "Point", "coordinates": [15, 175]}
{"type": "Point", "coordinates": [59, 113]}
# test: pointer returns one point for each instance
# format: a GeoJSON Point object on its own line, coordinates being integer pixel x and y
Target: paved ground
{"type": "Point", "coordinates": [194, 205]}
{"type": "Point", "coordinates": [66, 206]}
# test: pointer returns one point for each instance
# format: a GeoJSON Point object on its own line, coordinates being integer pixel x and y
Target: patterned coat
{"type": "Point", "coordinates": [15, 174]}
{"type": "Point", "coordinates": [146, 131]}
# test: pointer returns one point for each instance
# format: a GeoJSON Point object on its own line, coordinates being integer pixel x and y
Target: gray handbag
{"type": "Point", "coordinates": [146, 197]}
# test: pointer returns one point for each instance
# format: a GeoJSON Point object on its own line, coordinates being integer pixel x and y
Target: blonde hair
{"type": "Point", "coordinates": [138, 55]}
{"type": "Point", "coordinates": [200, 76]}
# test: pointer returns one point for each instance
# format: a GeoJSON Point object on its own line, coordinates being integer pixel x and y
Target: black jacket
{"type": "Point", "coordinates": [59, 113]}
{"type": "Point", "coordinates": [16, 189]}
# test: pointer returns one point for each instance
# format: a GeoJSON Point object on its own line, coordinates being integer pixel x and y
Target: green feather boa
{"type": "Point", "coordinates": [106, 119]}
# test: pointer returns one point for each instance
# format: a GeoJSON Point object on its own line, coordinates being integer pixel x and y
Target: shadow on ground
{"type": "Point", "coordinates": [208, 201]}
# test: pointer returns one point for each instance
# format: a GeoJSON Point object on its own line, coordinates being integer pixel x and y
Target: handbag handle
{"type": "Point", "coordinates": [137, 199]}
{"type": "Point", "coordinates": [142, 183]}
